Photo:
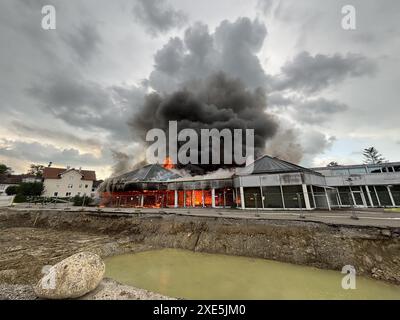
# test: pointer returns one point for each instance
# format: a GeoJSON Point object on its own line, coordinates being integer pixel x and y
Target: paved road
{"type": "Point", "coordinates": [378, 218]}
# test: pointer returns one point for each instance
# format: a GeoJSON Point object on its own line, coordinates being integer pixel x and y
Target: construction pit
{"type": "Point", "coordinates": [33, 238]}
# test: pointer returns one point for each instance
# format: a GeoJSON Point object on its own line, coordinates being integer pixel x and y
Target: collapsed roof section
{"type": "Point", "coordinates": [148, 173]}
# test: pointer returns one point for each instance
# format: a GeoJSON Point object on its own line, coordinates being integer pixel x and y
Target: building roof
{"type": "Point", "coordinates": [10, 179]}
{"type": "Point", "coordinates": [216, 175]}
{"type": "Point", "coordinates": [267, 164]}
{"type": "Point", "coordinates": [150, 172]}
{"type": "Point", "coordinates": [55, 173]}
{"type": "Point", "coordinates": [362, 165]}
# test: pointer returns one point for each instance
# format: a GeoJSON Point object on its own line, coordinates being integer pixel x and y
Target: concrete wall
{"type": "Point", "coordinates": [366, 179]}
{"type": "Point", "coordinates": [6, 201]}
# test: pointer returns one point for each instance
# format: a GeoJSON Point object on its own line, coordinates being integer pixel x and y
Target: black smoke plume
{"type": "Point", "coordinates": [218, 102]}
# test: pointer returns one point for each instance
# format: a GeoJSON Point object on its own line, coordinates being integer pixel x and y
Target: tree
{"type": "Point", "coordinates": [36, 170]}
{"type": "Point", "coordinates": [4, 169]}
{"type": "Point", "coordinates": [372, 156]}
{"type": "Point", "coordinates": [28, 189]}
{"type": "Point", "coordinates": [333, 164]}
{"type": "Point", "coordinates": [31, 189]}
{"type": "Point", "coordinates": [12, 190]}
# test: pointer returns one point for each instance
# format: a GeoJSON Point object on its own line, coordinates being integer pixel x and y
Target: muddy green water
{"type": "Point", "coordinates": [193, 275]}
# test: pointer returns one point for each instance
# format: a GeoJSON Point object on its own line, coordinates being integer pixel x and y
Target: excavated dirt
{"type": "Point", "coordinates": [30, 240]}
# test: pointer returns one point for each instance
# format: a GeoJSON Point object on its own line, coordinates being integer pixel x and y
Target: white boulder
{"type": "Point", "coordinates": [73, 277]}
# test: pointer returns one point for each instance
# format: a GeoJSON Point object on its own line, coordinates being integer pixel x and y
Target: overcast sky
{"type": "Point", "coordinates": [68, 94]}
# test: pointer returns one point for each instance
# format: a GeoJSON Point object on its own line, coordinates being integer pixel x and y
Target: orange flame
{"type": "Point", "coordinates": [168, 164]}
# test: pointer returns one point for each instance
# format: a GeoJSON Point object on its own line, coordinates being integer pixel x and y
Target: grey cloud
{"type": "Point", "coordinates": [232, 49]}
{"type": "Point", "coordinates": [313, 73]}
{"type": "Point", "coordinates": [84, 41]}
{"type": "Point", "coordinates": [32, 131]}
{"type": "Point", "coordinates": [43, 153]}
{"type": "Point", "coordinates": [168, 60]}
{"type": "Point", "coordinates": [158, 16]}
{"type": "Point", "coordinates": [315, 142]}
{"type": "Point", "coordinates": [317, 111]}
{"type": "Point", "coordinates": [269, 7]}
{"type": "Point", "coordinates": [297, 145]}
{"type": "Point", "coordinates": [277, 99]}
{"type": "Point", "coordinates": [265, 6]}
{"type": "Point", "coordinates": [88, 105]}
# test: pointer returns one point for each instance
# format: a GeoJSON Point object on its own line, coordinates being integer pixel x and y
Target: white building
{"type": "Point", "coordinates": [69, 182]}
{"type": "Point", "coordinates": [365, 185]}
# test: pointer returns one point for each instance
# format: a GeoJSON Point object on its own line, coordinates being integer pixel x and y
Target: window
{"type": "Point", "coordinates": [86, 186]}
{"type": "Point", "coordinates": [357, 171]}
{"type": "Point", "coordinates": [55, 194]}
{"type": "Point", "coordinates": [70, 186]}
{"type": "Point", "coordinates": [340, 172]}
{"type": "Point", "coordinates": [68, 194]}
{"type": "Point", "coordinates": [79, 193]}
{"type": "Point", "coordinates": [272, 197]}
{"type": "Point", "coordinates": [375, 169]}
{"type": "Point", "coordinates": [80, 186]}
{"type": "Point", "coordinates": [293, 197]}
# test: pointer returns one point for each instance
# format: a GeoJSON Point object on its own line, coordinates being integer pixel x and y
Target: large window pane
{"type": "Point", "coordinates": [252, 197]}
{"type": "Point", "coordinates": [396, 194]}
{"type": "Point", "coordinates": [272, 197]}
{"type": "Point", "coordinates": [383, 195]}
{"type": "Point", "coordinates": [293, 196]}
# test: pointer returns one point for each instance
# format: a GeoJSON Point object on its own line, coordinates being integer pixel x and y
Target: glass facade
{"type": "Point", "coordinates": [293, 197]}
{"type": "Point", "coordinates": [252, 197]}
{"type": "Point", "coordinates": [272, 197]}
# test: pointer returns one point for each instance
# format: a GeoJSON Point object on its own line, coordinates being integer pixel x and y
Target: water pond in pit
{"type": "Point", "coordinates": [194, 275]}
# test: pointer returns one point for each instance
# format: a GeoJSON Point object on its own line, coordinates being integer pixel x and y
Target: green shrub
{"type": "Point", "coordinates": [19, 198]}
{"type": "Point", "coordinates": [79, 201]}
{"type": "Point", "coordinates": [31, 189]}
{"type": "Point", "coordinates": [12, 190]}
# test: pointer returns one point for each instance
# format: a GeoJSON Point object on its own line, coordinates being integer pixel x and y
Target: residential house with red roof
{"type": "Point", "coordinates": [67, 182]}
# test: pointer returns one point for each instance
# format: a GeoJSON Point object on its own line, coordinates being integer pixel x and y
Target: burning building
{"type": "Point", "coordinates": [268, 184]}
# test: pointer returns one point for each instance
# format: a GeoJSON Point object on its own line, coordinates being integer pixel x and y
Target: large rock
{"type": "Point", "coordinates": [72, 277]}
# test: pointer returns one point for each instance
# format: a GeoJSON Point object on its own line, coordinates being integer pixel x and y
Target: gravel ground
{"type": "Point", "coordinates": [107, 290]}
{"type": "Point", "coordinates": [24, 251]}
{"type": "Point", "coordinates": [16, 292]}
